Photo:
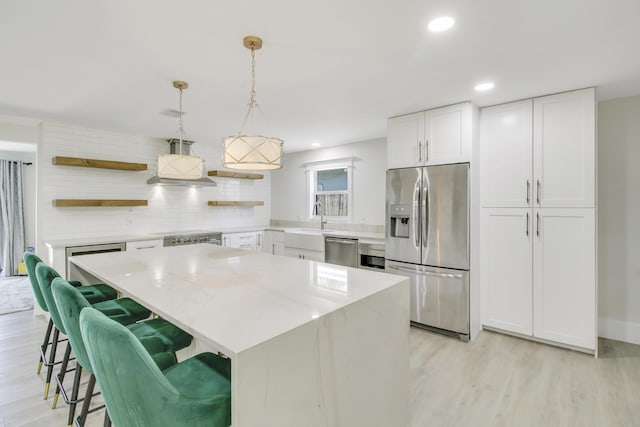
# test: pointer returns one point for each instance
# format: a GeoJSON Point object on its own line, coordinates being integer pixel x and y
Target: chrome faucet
{"type": "Point", "coordinates": [320, 211]}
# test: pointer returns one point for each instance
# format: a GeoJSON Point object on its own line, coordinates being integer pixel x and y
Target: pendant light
{"type": "Point", "coordinates": [252, 152]}
{"type": "Point", "coordinates": [182, 165]}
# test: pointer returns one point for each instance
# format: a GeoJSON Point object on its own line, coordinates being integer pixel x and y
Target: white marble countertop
{"type": "Point", "coordinates": [81, 241]}
{"type": "Point", "coordinates": [365, 237]}
{"type": "Point", "coordinates": [234, 298]}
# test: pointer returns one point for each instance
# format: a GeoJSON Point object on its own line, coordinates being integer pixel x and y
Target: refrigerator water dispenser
{"type": "Point", "coordinates": [400, 217]}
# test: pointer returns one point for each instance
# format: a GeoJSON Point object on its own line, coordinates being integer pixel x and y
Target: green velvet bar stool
{"type": "Point", "coordinates": [158, 336]}
{"type": "Point", "coordinates": [193, 393]}
{"type": "Point", "coordinates": [94, 293]}
{"type": "Point", "coordinates": [123, 310]}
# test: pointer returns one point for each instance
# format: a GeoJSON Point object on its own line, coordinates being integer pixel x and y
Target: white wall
{"type": "Point", "coordinates": [169, 209]}
{"type": "Point", "coordinates": [619, 219]}
{"type": "Point", "coordinates": [289, 191]}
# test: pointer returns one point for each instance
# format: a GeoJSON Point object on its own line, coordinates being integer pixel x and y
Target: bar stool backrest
{"type": "Point", "coordinates": [30, 261]}
{"type": "Point", "coordinates": [45, 276]}
{"type": "Point", "coordinates": [70, 302]}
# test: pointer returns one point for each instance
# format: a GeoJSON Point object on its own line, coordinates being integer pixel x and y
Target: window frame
{"type": "Point", "coordinates": [312, 176]}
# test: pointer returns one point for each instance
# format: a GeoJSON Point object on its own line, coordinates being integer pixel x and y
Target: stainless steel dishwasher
{"type": "Point", "coordinates": [341, 251]}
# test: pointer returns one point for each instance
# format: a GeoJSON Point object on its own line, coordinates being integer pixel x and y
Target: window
{"type": "Point", "coordinates": [330, 190]}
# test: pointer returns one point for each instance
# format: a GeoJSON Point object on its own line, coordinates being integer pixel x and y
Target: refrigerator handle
{"type": "Point", "coordinates": [424, 217]}
{"type": "Point", "coordinates": [425, 273]}
{"type": "Point", "coordinates": [416, 212]}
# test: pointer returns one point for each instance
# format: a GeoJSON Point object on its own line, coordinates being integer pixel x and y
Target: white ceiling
{"type": "Point", "coordinates": [330, 71]}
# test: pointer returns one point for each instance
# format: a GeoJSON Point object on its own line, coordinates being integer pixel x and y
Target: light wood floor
{"type": "Point", "coordinates": [495, 380]}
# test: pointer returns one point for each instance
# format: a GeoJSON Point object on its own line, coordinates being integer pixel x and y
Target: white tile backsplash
{"type": "Point", "coordinates": [169, 209]}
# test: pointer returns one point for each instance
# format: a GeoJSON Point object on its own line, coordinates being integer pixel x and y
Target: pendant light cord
{"type": "Point", "coordinates": [252, 95]}
{"type": "Point", "coordinates": [180, 123]}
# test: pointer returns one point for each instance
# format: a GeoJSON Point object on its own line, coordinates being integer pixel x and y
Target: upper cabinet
{"type": "Point", "coordinates": [506, 155]}
{"type": "Point", "coordinates": [438, 136]}
{"type": "Point", "coordinates": [564, 148]}
{"type": "Point", "coordinates": [540, 152]}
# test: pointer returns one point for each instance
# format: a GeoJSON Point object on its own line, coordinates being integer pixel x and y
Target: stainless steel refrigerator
{"type": "Point", "coordinates": [427, 240]}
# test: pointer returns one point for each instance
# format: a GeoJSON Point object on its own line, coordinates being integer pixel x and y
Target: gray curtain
{"type": "Point", "coordinates": [12, 238]}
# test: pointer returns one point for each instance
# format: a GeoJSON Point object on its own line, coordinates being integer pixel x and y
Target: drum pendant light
{"type": "Point", "coordinates": [181, 166]}
{"type": "Point", "coordinates": [252, 152]}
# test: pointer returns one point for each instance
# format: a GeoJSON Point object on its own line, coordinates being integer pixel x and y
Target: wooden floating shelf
{"type": "Point", "coordinates": [235, 203]}
{"type": "Point", "coordinates": [241, 175]}
{"type": "Point", "coordinates": [60, 203]}
{"type": "Point", "coordinates": [101, 164]}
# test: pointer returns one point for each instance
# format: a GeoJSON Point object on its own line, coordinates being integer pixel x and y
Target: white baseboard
{"type": "Point", "coordinates": [619, 330]}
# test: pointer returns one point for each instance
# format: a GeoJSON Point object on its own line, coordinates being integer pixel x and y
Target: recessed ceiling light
{"type": "Point", "coordinates": [482, 87]}
{"type": "Point", "coordinates": [315, 144]}
{"type": "Point", "coordinates": [442, 23]}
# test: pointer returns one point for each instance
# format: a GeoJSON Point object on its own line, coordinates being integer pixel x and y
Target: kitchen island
{"type": "Point", "coordinates": [311, 344]}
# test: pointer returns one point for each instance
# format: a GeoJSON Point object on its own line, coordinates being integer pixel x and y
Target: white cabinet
{"type": "Point", "coordinates": [306, 254]}
{"type": "Point", "coordinates": [564, 149]}
{"type": "Point", "coordinates": [144, 244]}
{"type": "Point", "coordinates": [273, 242]}
{"type": "Point", "coordinates": [564, 273]}
{"type": "Point", "coordinates": [506, 269]}
{"type": "Point", "coordinates": [438, 136]}
{"type": "Point", "coordinates": [405, 135]}
{"type": "Point", "coordinates": [304, 246]}
{"type": "Point", "coordinates": [245, 240]}
{"type": "Point", "coordinates": [539, 152]}
{"type": "Point", "coordinates": [537, 234]}
{"type": "Point", "coordinates": [506, 155]}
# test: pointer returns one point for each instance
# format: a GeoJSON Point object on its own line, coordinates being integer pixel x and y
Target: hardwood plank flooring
{"type": "Point", "coordinates": [495, 380]}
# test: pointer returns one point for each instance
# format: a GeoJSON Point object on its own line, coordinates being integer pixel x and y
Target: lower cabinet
{"type": "Point", "coordinates": [309, 246]}
{"type": "Point", "coordinates": [273, 242]}
{"type": "Point", "coordinates": [538, 273]}
{"type": "Point", "coordinates": [144, 244]}
{"type": "Point", "coordinates": [246, 240]}
{"type": "Point", "coordinates": [506, 269]}
{"type": "Point", "coordinates": [307, 254]}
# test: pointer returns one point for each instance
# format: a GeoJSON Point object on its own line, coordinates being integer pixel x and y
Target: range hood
{"type": "Point", "coordinates": [174, 148]}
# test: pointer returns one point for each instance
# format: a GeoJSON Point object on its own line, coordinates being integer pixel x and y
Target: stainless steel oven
{"type": "Point", "coordinates": [371, 256]}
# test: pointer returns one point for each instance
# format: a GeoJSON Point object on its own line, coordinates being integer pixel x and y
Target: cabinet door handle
{"type": "Point", "coordinates": [426, 150]}
{"type": "Point", "coordinates": [538, 224]}
{"type": "Point", "coordinates": [538, 187]}
{"type": "Point", "coordinates": [527, 232]}
{"type": "Point", "coordinates": [273, 249]}
{"type": "Point", "coordinates": [528, 191]}
{"type": "Point", "coordinates": [419, 150]}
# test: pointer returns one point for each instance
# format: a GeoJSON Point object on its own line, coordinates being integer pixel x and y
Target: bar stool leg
{"type": "Point", "coordinates": [87, 401]}
{"type": "Point", "coordinates": [44, 346]}
{"type": "Point", "coordinates": [52, 359]}
{"type": "Point", "coordinates": [61, 374]}
{"type": "Point", "coordinates": [74, 395]}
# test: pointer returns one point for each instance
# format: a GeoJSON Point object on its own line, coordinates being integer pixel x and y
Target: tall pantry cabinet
{"type": "Point", "coordinates": [538, 229]}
